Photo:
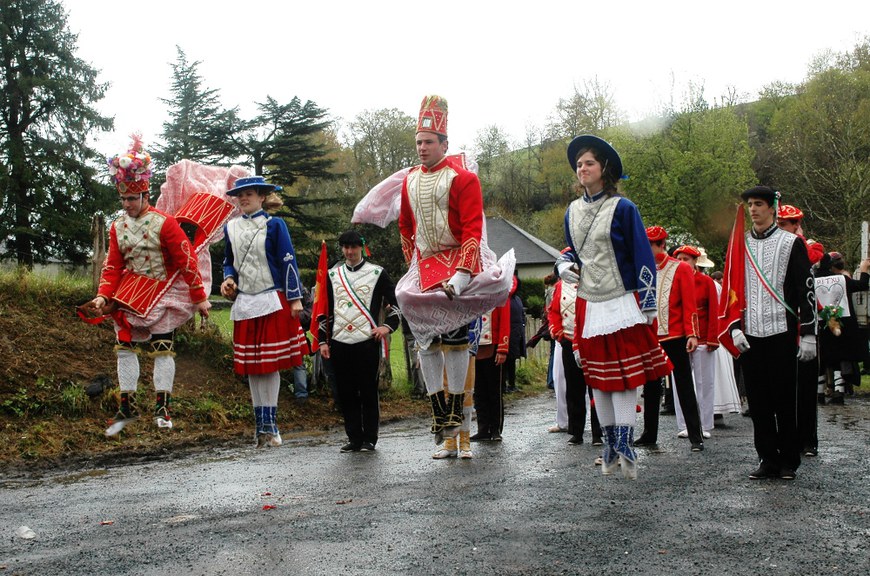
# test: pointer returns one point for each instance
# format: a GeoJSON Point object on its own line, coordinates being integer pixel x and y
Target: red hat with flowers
{"type": "Point", "coordinates": [656, 233]}
{"type": "Point", "coordinates": [789, 212]}
{"type": "Point", "coordinates": [131, 170]}
{"type": "Point", "coordinates": [433, 115]}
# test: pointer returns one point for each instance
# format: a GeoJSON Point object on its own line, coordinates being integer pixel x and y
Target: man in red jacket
{"type": "Point", "coordinates": [146, 249]}
{"type": "Point", "coordinates": [703, 359]}
{"type": "Point", "coordinates": [677, 329]}
{"type": "Point", "coordinates": [441, 225]}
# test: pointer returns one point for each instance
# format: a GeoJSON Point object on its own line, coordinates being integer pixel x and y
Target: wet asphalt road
{"type": "Point", "coordinates": [529, 505]}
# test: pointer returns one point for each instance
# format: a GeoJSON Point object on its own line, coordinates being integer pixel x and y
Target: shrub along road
{"type": "Point", "coordinates": [529, 505]}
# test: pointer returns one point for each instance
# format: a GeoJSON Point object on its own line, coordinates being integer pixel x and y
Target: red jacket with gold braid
{"type": "Point", "coordinates": [706, 299]}
{"type": "Point", "coordinates": [152, 245]}
{"type": "Point", "coordinates": [495, 328]}
{"type": "Point", "coordinates": [441, 211]}
{"type": "Point", "coordinates": [677, 312]}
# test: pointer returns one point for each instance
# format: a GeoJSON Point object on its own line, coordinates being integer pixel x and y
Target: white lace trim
{"type": "Point", "coordinates": [612, 315]}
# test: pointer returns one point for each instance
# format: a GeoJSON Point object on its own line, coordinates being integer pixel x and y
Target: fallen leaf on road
{"type": "Point", "coordinates": [348, 501]}
{"type": "Point", "coordinates": [106, 522]}
{"type": "Point", "coordinates": [268, 507]}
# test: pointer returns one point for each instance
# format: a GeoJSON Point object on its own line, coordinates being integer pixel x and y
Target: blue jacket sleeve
{"type": "Point", "coordinates": [571, 254]}
{"type": "Point", "coordinates": [637, 265]}
{"type": "Point", "coordinates": [285, 260]}
{"type": "Point", "coordinates": [229, 263]}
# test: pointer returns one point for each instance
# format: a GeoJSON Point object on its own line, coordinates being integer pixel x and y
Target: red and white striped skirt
{"type": "Point", "coordinates": [622, 360]}
{"type": "Point", "coordinates": [268, 343]}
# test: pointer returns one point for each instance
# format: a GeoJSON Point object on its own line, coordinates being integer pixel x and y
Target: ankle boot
{"type": "Point", "coordinates": [453, 417]}
{"type": "Point", "coordinates": [439, 410]}
{"type": "Point", "coordinates": [609, 456]}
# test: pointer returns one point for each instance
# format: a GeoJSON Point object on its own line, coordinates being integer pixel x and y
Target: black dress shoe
{"type": "Point", "coordinates": [481, 436]}
{"type": "Point", "coordinates": [575, 439]}
{"type": "Point", "coordinates": [367, 447]}
{"type": "Point", "coordinates": [697, 446]}
{"type": "Point", "coordinates": [596, 441]}
{"type": "Point", "coordinates": [495, 437]}
{"type": "Point", "coordinates": [645, 440]}
{"type": "Point", "coordinates": [351, 447]}
{"type": "Point", "coordinates": [763, 472]}
{"type": "Point", "coordinates": [786, 474]}
{"type": "Point", "coordinates": [668, 411]}
{"type": "Point", "coordinates": [810, 451]}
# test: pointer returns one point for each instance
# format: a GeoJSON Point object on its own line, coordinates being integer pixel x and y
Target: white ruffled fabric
{"type": "Point", "coordinates": [431, 313]}
{"type": "Point", "coordinates": [249, 306]}
{"type": "Point", "coordinates": [612, 315]}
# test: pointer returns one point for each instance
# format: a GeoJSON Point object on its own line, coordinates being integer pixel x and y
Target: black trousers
{"type": "Point", "coordinates": [807, 403]}
{"type": "Point", "coordinates": [683, 382]}
{"type": "Point", "coordinates": [575, 394]}
{"type": "Point", "coordinates": [356, 379]}
{"type": "Point", "coordinates": [488, 399]}
{"type": "Point", "coordinates": [770, 372]}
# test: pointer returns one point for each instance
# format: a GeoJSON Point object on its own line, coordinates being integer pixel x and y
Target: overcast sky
{"type": "Point", "coordinates": [496, 62]}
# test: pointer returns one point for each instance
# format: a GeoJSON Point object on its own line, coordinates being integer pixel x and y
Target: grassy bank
{"type": "Point", "coordinates": [49, 357]}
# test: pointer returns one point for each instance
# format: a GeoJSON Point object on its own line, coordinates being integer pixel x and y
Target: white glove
{"type": "Point", "coordinates": [457, 283]}
{"type": "Point", "coordinates": [807, 351]}
{"type": "Point", "coordinates": [566, 272]}
{"type": "Point", "coordinates": [577, 358]}
{"type": "Point", "coordinates": [651, 316]}
{"type": "Point", "coordinates": [740, 340]}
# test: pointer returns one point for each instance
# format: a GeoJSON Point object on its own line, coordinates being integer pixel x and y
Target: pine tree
{"type": "Point", "coordinates": [198, 126]}
{"type": "Point", "coordinates": [48, 191]}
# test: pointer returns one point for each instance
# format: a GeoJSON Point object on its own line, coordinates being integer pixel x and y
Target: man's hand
{"type": "Point", "coordinates": [457, 283]}
{"type": "Point", "coordinates": [740, 341]}
{"type": "Point", "coordinates": [324, 350]}
{"type": "Point", "coordinates": [203, 308]}
{"type": "Point", "coordinates": [568, 273]}
{"type": "Point", "coordinates": [651, 316]}
{"type": "Point", "coordinates": [807, 350]}
{"type": "Point", "coordinates": [500, 358]}
{"type": "Point", "coordinates": [380, 332]}
{"type": "Point", "coordinates": [691, 344]}
{"type": "Point", "coordinates": [97, 305]}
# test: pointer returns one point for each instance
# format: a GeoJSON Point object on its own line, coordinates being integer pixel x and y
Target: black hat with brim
{"type": "Point", "coordinates": [614, 163]}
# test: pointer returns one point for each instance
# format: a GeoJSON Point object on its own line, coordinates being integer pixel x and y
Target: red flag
{"type": "Point", "coordinates": [732, 301]}
{"type": "Point", "coordinates": [320, 306]}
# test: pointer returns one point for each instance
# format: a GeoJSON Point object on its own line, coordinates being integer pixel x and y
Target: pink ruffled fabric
{"type": "Point", "coordinates": [184, 179]}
